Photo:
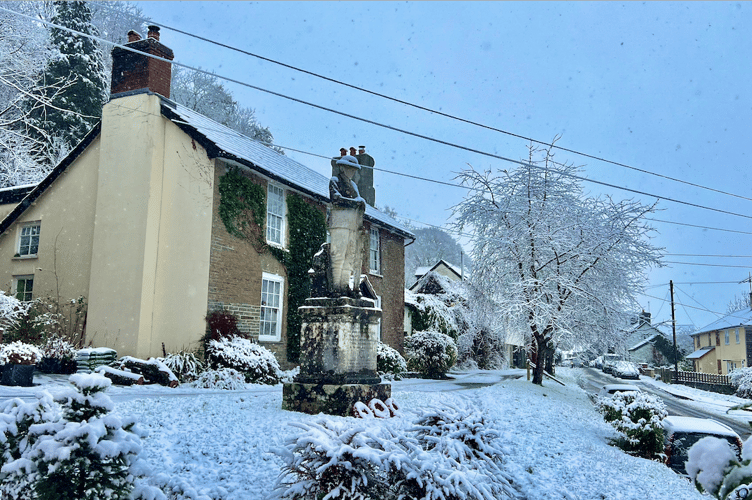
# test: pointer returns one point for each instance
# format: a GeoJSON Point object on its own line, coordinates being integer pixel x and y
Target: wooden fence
{"type": "Point", "coordinates": [706, 381]}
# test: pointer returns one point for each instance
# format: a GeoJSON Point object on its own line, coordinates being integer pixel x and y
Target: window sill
{"type": "Point", "coordinates": [25, 257]}
{"type": "Point", "coordinates": [376, 274]}
{"type": "Point", "coordinates": [277, 245]}
{"type": "Point", "coordinates": [269, 340]}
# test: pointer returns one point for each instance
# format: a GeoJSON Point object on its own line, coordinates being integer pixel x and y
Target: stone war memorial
{"type": "Point", "coordinates": [339, 330]}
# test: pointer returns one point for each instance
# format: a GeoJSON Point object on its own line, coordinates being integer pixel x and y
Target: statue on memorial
{"type": "Point", "coordinates": [342, 257]}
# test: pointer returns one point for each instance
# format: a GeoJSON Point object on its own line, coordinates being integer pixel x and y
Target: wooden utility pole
{"type": "Point", "coordinates": [673, 326]}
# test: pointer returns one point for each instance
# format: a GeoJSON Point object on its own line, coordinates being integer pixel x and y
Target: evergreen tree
{"type": "Point", "coordinates": [71, 109]}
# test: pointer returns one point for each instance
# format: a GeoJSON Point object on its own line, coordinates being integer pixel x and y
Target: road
{"type": "Point", "coordinates": [674, 405]}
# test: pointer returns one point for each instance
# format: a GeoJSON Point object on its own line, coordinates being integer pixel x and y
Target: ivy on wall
{"type": "Point", "coordinates": [307, 229]}
{"type": "Point", "coordinates": [242, 205]}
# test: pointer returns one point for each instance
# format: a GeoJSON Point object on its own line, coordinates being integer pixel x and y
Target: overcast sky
{"type": "Point", "coordinates": [662, 87]}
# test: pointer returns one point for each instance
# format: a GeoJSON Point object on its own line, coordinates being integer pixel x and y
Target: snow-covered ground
{"type": "Point", "coordinates": [221, 444]}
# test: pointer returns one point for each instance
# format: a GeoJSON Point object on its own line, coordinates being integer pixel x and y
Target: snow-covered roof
{"type": "Point", "coordinates": [696, 425]}
{"type": "Point", "coordinates": [646, 341]}
{"type": "Point", "coordinates": [742, 317]}
{"type": "Point", "coordinates": [700, 352]}
{"type": "Point", "coordinates": [235, 146]}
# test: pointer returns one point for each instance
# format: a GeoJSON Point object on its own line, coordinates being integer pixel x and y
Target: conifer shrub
{"type": "Point", "coordinates": [637, 418]}
{"type": "Point", "coordinates": [448, 454]}
{"type": "Point", "coordinates": [73, 448]}
{"type": "Point", "coordinates": [257, 363]}
{"type": "Point", "coordinates": [222, 324]}
{"type": "Point", "coordinates": [430, 353]}
{"type": "Point", "coordinates": [389, 362]}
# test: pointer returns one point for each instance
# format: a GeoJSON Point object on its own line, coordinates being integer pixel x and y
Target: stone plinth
{"type": "Point", "coordinates": [338, 341]}
{"type": "Point", "coordinates": [339, 337]}
{"type": "Point", "coordinates": [332, 399]}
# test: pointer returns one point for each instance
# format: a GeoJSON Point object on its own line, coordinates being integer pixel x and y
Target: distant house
{"type": "Point", "coordinates": [442, 267]}
{"type": "Point", "coordinates": [642, 337]}
{"type": "Point", "coordinates": [134, 220]}
{"type": "Point", "coordinates": [725, 344]}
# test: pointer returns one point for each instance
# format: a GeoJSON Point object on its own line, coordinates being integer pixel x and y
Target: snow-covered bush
{"type": "Point", "coordinates": [637, 418]}
{"type": "Point", "coordinates": [255, 362]}
{"type": "Point", "coordinates": [79, 451]}
{"type": "Point", "coordinates": [16, 417]}
{"type": "Point", "coordinates": [58, 356]}
{"type": "Point", "coordinates": [447, 454]}
{"type": "Point", "coordinates": [430, 353]}
{"type": "Point", "coordinates": [185, 365]}
{"type": "Point", "coordinates": [11, 308]}
{"type": "Point", "coordinates": [389, 362]}
{"type": "Point", "coordinates": [741, 379]}
{"type": "Point", "coordinates": [714, 468]}
{"type": "Point", "coordinates": [223, 378]}
{"type": "Point", "coordinates": [19, 353]}
{"type": "Point", "coordinates": [334, 460]}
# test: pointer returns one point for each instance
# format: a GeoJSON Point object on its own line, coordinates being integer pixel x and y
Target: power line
{"type": "Point", "coordinates": [388, 127]}
{"type": "Point", "coordinates": [441, 113]}
{"type": "Point", "coordinates": [706, 265]}
{"type": "Point", "coordinates": [699, 227]}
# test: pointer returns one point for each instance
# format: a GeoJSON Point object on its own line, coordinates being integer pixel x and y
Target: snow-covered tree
{"type": "Point", "coordinates": [70, 110]}
{"type": "Point", "coordinates": [431, 245]}
{"type": "Point", "coordinates": [75, 449]}
{"type": "Point", "coordinates": [739, 302]}
{"type": "Point", "coordinates": [207, 95]}
{"type": "Point", "coordinates": [24, 52]}
{"type": "Point", "coordinates": [563, 266]}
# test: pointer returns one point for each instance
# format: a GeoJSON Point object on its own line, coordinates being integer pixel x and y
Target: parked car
{"type": "Point", "coordinates": [608, 362]}
{"type": "Point", "coordinates": [680, 433]}
{"type": "Point", "coordinates": [610, 389]}
{"type": "Point", "coordinates": [625, 369]}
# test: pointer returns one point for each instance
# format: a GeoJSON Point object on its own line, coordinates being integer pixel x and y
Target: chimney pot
{"type": "Point", "coordinates": [154, 32]}
{"type": "Point", "coordinates": [133, 36]}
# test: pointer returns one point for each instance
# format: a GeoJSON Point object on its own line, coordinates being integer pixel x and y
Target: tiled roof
{"type": "Point", "coordinates": [235, 146]}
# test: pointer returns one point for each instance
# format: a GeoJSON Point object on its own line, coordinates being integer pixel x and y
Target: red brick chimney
{"type": "Point", "coordinates": [134, 71]}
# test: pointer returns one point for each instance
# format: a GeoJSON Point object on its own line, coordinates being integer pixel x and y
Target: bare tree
{"type": "Point", "coordinates": [563, 266]}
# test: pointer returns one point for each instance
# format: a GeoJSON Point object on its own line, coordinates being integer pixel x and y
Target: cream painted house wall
{"type": "Point", "coordinates": [66, 215]}
{"type": "Point", "coordinates": [150, 257]}
{"type": "Point", "coordinates": [733, 352]}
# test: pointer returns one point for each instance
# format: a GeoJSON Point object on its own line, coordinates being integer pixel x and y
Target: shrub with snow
{"type": "Point", "coordinates": [11, 308]}
{"type": "Point", "coordinates": [448, 454]}
{"type": "Point", "coordinates": [59, 356]}
{"type": "Point", "coordinates": [482, 346]}
{"type": "Point", "coordinates": [430, 353]}
{"type": "Point", "coordinates": [19, 353]}
{"type": "Point", "coordinates": [78, 450]}
{"type": "Point", "coordinates": [223, 378]}
{"type": "Point", "coordinates": [185, 365]}
{"type": "Point", "coordinates": [709, 461]}
{"type": "Point", "coordinates": [637, 417]}
{"type": "Point", "coordinates": [741, 379]}
{"type": "Point", "coordinates": [389, 362]}
{"type": "Point", "coordinates": [255, 362]}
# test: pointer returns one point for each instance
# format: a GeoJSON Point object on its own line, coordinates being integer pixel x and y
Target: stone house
{"type": "Point", "coordinates": [724, 345]}
{"type": "Point", "coordinates": [149, 219]}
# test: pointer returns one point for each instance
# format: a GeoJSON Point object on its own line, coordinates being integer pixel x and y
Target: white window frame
{"type": "Point", "coordinates": [737, 335]}
{"type": "Point", "coordinates": [25, 278]}
{"type": "Point", "coordinates": [277, 217]}
{"type": "Point", "coordinates": [726, 337]}
{"type": "Point", "coordinates": [374, 251]}
{"type": "Point", "coordinates": [270, 279]}
{"type": "Point", "coordinates": [30, 227]}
